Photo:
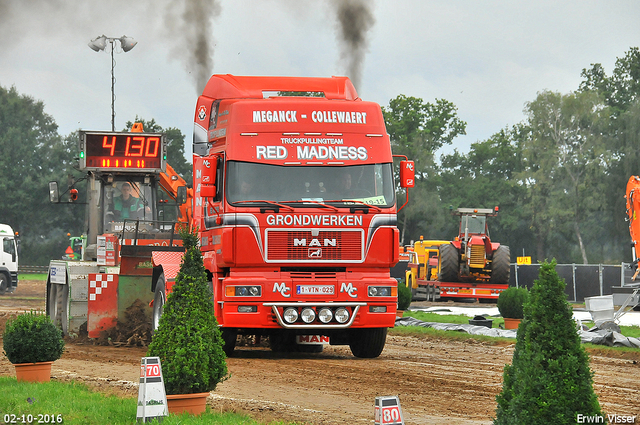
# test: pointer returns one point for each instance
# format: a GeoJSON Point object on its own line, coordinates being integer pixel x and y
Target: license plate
{"type": "Point", "coordinates": [315, 289]}
{"type": "Point", "coordinates": [465, 291]}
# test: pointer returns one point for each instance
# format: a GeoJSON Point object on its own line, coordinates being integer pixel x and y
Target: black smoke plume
{"type": "Point", "coordinates": [191, 30]}
{"type": "Point", "coordinates": [354, 20]}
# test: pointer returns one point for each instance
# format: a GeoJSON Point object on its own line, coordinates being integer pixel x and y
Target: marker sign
{"type": "Point", "coordinates": [152, 399]}
{"type": "Point", "coordinates": [386, 411]}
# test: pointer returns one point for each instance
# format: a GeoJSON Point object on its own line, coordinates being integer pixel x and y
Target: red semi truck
{"type": "Point", "coordinates": [294, 201]}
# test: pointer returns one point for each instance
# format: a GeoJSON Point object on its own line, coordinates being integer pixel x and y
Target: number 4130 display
{"type": "Point", "coordinates": [110, 151]}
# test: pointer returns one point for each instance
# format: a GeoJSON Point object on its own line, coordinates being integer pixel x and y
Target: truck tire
{"type": "Point", "coordinates": [449, 264]}
{"type": "Point", "coordinates": [367, 343]}
{"type": "Point", "coordinates": [500, 265]}
{"type": "Point", "coordinates": [229, 336]}
{"type": "Point", "coordinates": [4, 283]}
{"type": "Point", "coordinates": [159, 300]}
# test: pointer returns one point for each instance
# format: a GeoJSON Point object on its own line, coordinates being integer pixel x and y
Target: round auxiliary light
{"type": "Point", "coordinates": [290, 315]}
{"type": "Point", "coordinates": [325, 315]}
{"type": "Point", "coordinates": [373, 291]}
{"type": "Point", "coordinates": [342, 315]}
{"type": "Point", "coordinates": [254, 290]}
{"type": "Point", "coordinates": [308, 315]}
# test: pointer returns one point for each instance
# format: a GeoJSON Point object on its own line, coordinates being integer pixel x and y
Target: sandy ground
{"type": "Point", "coordinates": [438, 381]}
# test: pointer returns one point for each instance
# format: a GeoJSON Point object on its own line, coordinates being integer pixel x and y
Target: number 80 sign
{"type": "Point", "coordinates": [387, 411]}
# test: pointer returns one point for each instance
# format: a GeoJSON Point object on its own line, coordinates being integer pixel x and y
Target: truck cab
{"type": "Point", "coordinates": [8, 259]}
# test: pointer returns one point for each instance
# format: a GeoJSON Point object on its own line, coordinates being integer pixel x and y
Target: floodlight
{"type": "Point", "coordinates": [127, 43]}
{"type": "Point", "coordinates": [98, 43]}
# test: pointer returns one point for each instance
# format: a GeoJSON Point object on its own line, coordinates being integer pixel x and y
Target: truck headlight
{"type": "Point", "coordinates": [308, 315]}
{"type": "Point", "coordinates": [290, 315]}
{"type": "Point", "coordinates": [244, 291]}
{"type": "Point", "coordinates": [325, 315]}
{"type": "Point", "coordinates": [342, 315]}
{"type": "Point", "coordinates": [380, 291]}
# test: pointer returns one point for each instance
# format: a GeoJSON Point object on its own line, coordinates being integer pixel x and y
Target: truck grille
{"type": "Point", "coordinates": [476, 260]}
{"type": "Point", "coordinates": [302, 245]}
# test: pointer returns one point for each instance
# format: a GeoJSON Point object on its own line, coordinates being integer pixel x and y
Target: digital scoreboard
{"type": "Point", "coordinates": [113, 151]}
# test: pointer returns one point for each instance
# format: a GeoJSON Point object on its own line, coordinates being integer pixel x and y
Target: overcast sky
{"type": "Point", "coordinates": [487, 57]}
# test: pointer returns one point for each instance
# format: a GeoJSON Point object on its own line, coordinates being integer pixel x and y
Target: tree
{"type": "Point", "coordinates": [549, 380]}
{"type": "Point", "coordinates": [33, 153]}
{"type": "Point", "coordinates": [487, 177]}
{"type": "Point", "coordinates": [566, 155]}
{"type": "Point", "coordinates": [188, 340]}
{"type": "Point", "coordinates": [417, 129]}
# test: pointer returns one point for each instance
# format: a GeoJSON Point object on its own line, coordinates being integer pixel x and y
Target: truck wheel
{"type": "Point", "coordinates": [367, 343]}
{"type": "Point", "coordinates": [229, 336]}
{"type": "Point", "coordinates": [4, 283]}
{"type": "Point", "coordinates": [159, 299]}
{"type": "Point", "coordinates": [57, 302]}
{"type": "Point", "coordinates": [500, 267]}
{"type": "Point", "coordinates": [449, 265]}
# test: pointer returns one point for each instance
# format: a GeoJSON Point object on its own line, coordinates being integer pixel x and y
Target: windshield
{"type": "Point", "coordinates": [371, 184]}
{"type": "Point", "coordinates": [474, 224]}
{"type": "Point", "coordinates": [127, 200]}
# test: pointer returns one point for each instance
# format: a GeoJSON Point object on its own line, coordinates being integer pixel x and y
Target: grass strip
{"type": "Point", "coordinates": [74, 403]}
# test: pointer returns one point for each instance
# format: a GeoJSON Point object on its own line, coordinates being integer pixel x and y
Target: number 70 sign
{"type": "Point", "coordinates": [387, 411]}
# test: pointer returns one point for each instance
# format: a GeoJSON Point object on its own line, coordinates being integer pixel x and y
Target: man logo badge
{"type": "Point", "coordinates": [315, 253]}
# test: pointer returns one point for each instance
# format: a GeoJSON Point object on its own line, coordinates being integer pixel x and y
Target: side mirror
{"type": "Point", "coordinates": [407, 174]}
{"type": "Point", "coordinates": [181, 195]}
{"type": "Point", "coordinates": [54, 195]}
{"type": "Point", "coordinates": [208, 191]}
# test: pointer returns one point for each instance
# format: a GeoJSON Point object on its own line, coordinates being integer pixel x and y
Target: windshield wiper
{"type": "Point", "coordinates": [276, 206]}
{"type": "Point", "coordinates": [309, 201]}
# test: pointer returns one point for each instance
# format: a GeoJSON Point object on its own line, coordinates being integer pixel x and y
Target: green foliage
{"type": "Point", "coordinates": [188, 340]}
{"type": "Point", "coordinates": [31, 338]}
{"type": "Point", "coordinates": [404, 296]}
{"type": "Point", "coordinates": [549, 380]}
{"type": "Point", "coordinates": [511, 302]}
{"type": "Point", "coordinates": [33, 153]}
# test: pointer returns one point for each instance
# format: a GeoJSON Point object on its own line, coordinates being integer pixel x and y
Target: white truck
{"type": "Point", "coordinates": [8, 259]}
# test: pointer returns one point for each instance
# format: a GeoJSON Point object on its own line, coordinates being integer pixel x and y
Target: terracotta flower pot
{"type": "Point", "coordinates": [511, 323]}
{"type": "Point", "coordinates": [33, 372]}
{"type": "Point", "coordinates": [399, 313]}
{"type": "Point", "coordinates": [193, 404]}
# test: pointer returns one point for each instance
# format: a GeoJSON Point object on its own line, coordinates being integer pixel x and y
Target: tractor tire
{"type": "Point", "coordinates": [500, 265]}
{"type": "Point", "coordinates": [57, 308]}
{"type": "Point", "coordinates": [367, 343]}
{"type": "Point", "coordinates": [159, 300]}
{"type": "Point", "coordinates": [449, 263]}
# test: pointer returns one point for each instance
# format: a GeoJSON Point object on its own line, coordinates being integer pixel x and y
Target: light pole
{"type": "Point", "coordinates": [100, 43]}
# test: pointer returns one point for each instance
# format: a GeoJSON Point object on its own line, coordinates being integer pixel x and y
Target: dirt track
{"type": "Point", "coordinates": [437, 381]}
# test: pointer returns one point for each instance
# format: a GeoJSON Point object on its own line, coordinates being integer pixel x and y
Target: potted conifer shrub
{"type": "Point", "coordinates": [511, 306]}
{"type": "Point", "coordinates": [549, 380]}
{"type": "Point", "coordinates": [188, 341]}
{"type": "Point", "coordinates": [404, 298]}
{"type": "Point", "coordinates": [32, 343]}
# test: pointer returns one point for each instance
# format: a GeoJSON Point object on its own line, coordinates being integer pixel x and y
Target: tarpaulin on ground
{"type": "Point", "coordinates": [599, 336]}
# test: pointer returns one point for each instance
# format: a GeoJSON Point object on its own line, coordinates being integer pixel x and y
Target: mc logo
{"type": "Point", "coordinates": [349, 289]}
{"type": "Point", "coordinates": [282, 288]}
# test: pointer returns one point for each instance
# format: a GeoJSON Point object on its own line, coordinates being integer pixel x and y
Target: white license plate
{"type": "Point", "coordinates": [315, 289]}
